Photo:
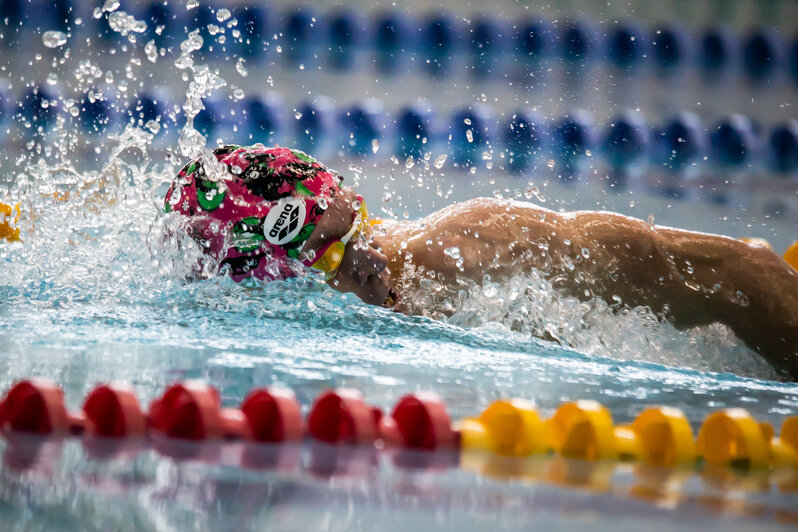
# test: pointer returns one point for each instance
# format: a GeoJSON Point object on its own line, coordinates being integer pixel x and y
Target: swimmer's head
{"type": "Point", "coordinates": [265, 201]}
{"type": "Point", "coordinates": [259, 212]}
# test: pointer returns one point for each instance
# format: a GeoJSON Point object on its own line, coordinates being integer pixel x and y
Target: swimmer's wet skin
{"type": "Point", "coordinates": [285, 212]}
{"type": "Point", "coordinates": [692, 278]}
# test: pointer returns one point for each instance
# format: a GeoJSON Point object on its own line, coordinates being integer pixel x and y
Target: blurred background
{"type": "Point", "coordinates": [680, 110]}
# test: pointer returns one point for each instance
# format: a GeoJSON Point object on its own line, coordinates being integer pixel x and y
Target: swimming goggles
{"type": "Point", "coordinates": [329, 257]}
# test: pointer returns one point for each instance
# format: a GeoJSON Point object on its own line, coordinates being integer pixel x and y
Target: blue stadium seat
{"type": "Point", "coordinates": [97, 115]}
{"type": "Point", "coordinates": [441, 36]}
{"type": "Point", "coordinates": [670, 46]}
{"type": "Point", "coordinates": [315, 125]}
{"type": "Point", "coordinates": [414, 124]}
{"type": "Point", "coordinates": [103, 27]}
{"type": "Point", "coordinates": [489, 38]}
{"type": "Point", "coordinates": [574, 134]}
{"type": "Point", "coordinates": [6, 103]}
{"type": "Point", "coordinates": [525, 138]}
{"type": "Point", "coordinates": [734, 142]}
{"type": "Point", "coordinates": [265, 118]}
{"type": "Point", "coordinates": [161, 13]}
{"type": "Point", "coordinates": [210, 119]}
{"type": "Point", "coordinates": [347, 32]}
{"type": "Point", "coordinates": [533, 39]}
{"type": "Point", "coordinates": [627, 140]}
{"type": "Point", "coordinates": [681, 142]}
{"type": "Point", "coordinates": [467, 148]}
{"type": "Point", "coordinates": [302, 29]}
{"type": "Point", "coordinates": [253, 23]}
{"type": "Point", "coordinates": [783, 148]}
{"type": "Point", "coordinates": [200, 18]}
{"type": "Point", "coordinates": [35, 108]}
{"type": "Point", "coordinates": [574, 137]}
{"type": "Point", "coordinates": [152, 105]}
{"type": "Point", "coordinates": [361, 124]}
{"type": "Point", "coordinates": [716, 50]}
{"type": "Point", "coordinates": [577, 41]}
{"type": "Point", "coordinates": [63, 15]}
{"type": "Point", "coordinates": [762, 54]}
{"type": "Point", "coordinates": [393, 34]}
{"type": "Point", "coordinates": [627, 46]}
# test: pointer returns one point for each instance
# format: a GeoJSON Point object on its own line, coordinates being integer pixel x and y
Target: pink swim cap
{"type": "Point", "coordinates": [265, 201]}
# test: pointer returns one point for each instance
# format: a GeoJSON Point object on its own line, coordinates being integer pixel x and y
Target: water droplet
{"type": "Point", "coordinates": [236, 169]}
{"type": "Point", "coordinates": [651, 220]}
{"type": "Point", "coordinates": [222, 15]}
{"type": "Point", "coordinates": [238, 94]}
{"type": "Point", "coordinates": [387, 197]}
{"type": "Point", "coordinates": [467, 121]}
{"type": "Point", "coordinates": [151, 51]}
{"type": "Point", "coordinates": [297, 115]}
{"type": "Point", "coordinates": [54, 39]}
{"type": "Point", "coordinates": [409, 163]}
{"type": "Point", "coordinates": [440, 160]}
{"type": "Point", "coordinates": [241, 68]}
{"type": "Point", "coordinates": [586, 253]}
{"type": "Point", "coordinates": [375, 146]}
{"type": "Point", "coordinates": [469, 135]}
{"type": "Point", "coordinates": [270, 81]}
{"type": "Point", "coordinates": [110, 5]}
{"type": "Point", "coordinates": [453, 252]}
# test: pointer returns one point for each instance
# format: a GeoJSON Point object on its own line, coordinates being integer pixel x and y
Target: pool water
{"type": "Point", "coordinates": [94, 294]}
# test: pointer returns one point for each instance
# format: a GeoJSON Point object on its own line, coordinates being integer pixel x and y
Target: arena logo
{"type": "Point", "coordinates": [284, 221]}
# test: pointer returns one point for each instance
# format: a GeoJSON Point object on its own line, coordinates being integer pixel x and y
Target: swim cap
{"type": "Point", "coordinates": [265, 201]}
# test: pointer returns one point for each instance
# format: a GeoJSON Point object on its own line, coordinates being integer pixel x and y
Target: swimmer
{"type": "Point", "coordinates": [271, 213]}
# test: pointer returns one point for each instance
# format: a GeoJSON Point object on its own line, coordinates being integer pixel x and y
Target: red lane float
{"type": "Point", "coordinates": [273, 415]}
{"type": "Point", "coordinates": [192, 411]}
{"type": "Point", "coordinates": [423, 422]}
{"type": "Point", "coordinates": [341, 416]}
{"type": "Point", "coordinates": [37, 406]}
{"type": "Point", "coordinates": [113, 411]}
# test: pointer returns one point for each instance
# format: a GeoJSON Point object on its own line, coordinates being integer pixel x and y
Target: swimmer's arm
{"type": "Point", "coordinates": [702, 279]}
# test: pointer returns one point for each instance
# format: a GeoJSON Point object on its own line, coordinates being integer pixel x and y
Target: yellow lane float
{"type": "Point", "coordinates": [9, 218]}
